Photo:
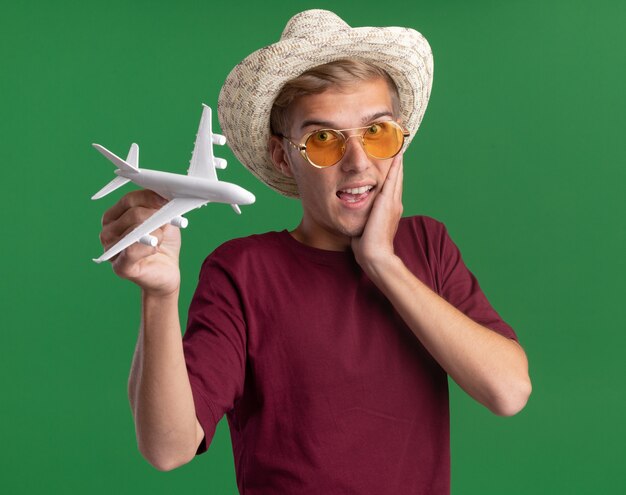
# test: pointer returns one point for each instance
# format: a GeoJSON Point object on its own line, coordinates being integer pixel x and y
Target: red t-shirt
{"type": "Point", "coordinates": [326, 390]}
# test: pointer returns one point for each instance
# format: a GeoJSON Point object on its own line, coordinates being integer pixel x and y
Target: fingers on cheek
{"type": "Point", "coordinates": [390, 187]}
{"type": "Point", "coordinates": [400, 171]}
{"type": "Point", "coordinates": [399, 181]}
{"type": "Point", "coordinates": [395, 173]}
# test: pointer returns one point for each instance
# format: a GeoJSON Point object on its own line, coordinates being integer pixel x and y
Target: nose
{"type": "Point", "coordinates": [355, 159]}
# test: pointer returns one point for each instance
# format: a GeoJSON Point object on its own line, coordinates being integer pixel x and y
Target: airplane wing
{"type": "Point", "coordinates": [202, 161]}
{"type": "Point", "coordinates": [176, 207]}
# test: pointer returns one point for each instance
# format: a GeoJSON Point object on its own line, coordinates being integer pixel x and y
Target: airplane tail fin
{"type": "Point", "coordinates": [128, 165]}
{"type": "Point", "coordinates": [133, 156]}
{"type": "Point", "coordinates": [131, 164]}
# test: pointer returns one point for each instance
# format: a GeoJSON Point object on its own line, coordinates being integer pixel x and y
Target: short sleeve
{"type": "Point", "coordinates": [461, 289]}
{"type": "Point", "coordinates": [215, 347]}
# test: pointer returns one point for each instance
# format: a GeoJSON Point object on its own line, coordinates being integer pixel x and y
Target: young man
{"type": "Point", "coordinates": [328, 347]}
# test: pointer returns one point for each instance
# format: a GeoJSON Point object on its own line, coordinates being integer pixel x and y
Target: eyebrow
{"type": "Point", "coordinates": [330, 125]}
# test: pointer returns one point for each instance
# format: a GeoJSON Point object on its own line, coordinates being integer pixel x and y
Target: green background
{"type": "Point", "coordinates": [521, 155]}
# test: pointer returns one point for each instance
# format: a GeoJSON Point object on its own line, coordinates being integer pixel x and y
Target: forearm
{"type": "Point", "coordinates": [159, 390]}
{"type": "Point", "coordinates": [488, 366]}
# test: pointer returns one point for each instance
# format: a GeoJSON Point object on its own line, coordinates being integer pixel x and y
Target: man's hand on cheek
{"type": "Point", "coordinates": [376, 243]}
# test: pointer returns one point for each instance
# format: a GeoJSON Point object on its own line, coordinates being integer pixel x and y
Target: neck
{"type": "Point", "coordinates": [320, 239]}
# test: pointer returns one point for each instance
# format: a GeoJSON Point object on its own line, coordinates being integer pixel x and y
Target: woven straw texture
{"type": "Point", "coordinates": [312, 38]}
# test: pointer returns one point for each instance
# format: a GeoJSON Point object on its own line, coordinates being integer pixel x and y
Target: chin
{"type": "Point", "coordinates": [353, 230]}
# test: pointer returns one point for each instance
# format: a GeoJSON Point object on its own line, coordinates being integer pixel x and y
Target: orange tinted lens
{"type": "Point", "coordinates": [383, 140]}
{"type": "Point", "coordinates": [325, 147]}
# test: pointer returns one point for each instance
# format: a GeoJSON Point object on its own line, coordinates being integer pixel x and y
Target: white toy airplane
{"type": "Point", "coordinates": [185, 192]}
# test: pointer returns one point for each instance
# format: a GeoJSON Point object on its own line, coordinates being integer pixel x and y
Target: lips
{"type": "Point", "coordinates": [354, 194]}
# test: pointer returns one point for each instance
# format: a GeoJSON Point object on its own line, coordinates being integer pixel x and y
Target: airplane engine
{"type": "Point", "coordinates": [218, 139]}
{"type": "Point", "coordinates": [220, 163]}
{"type": "Point", "coordinates": [180, 222]}
{"type": "Point", "coordinates": [149, 240]}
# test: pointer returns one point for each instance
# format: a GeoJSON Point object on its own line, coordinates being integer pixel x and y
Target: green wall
{"type": "Point", "coordinates": [521, 154]}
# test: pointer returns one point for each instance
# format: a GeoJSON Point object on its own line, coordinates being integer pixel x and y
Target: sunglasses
{"type": "Point", "coordinates": [325, 147]}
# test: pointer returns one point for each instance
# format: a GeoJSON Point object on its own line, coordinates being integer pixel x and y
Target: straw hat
{"type": "Point", "coordinates": [312, 38]}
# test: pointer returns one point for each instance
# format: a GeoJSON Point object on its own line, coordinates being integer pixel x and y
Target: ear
{"type": "Point", "coordinates": [279, 156]}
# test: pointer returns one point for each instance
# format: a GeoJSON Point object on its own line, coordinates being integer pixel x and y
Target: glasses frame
{"type": "Point", "coordinates": [301, 147]}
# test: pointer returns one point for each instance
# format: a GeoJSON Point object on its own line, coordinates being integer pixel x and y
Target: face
{"type": "Point", "coordinates": [337, 200]}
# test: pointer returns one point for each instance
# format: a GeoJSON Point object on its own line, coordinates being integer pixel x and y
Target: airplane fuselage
{"type": "Point", "coordinates": [172, 186]}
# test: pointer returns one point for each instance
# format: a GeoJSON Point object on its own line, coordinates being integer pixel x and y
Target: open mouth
{"type": "Point", "coordinates": [354, 194]}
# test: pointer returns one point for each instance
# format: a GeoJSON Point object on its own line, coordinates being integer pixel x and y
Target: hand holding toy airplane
{"type": "Point", "coordinates": [185, 192]}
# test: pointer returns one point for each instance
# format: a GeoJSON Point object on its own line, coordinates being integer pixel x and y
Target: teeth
{"type": "Point", "coordinates": [357, 190]}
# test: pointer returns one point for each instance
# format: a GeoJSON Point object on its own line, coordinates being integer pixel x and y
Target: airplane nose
{"type": "Point", "coordinates": [244, 197]}
{"type": "Point", "coordinates": [249, 198]}
{"type": "Point", "coordinates": [236, 194]}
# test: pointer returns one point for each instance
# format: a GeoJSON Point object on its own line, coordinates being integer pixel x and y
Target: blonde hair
{"type": "Point", "coordinates": [318, 79]}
